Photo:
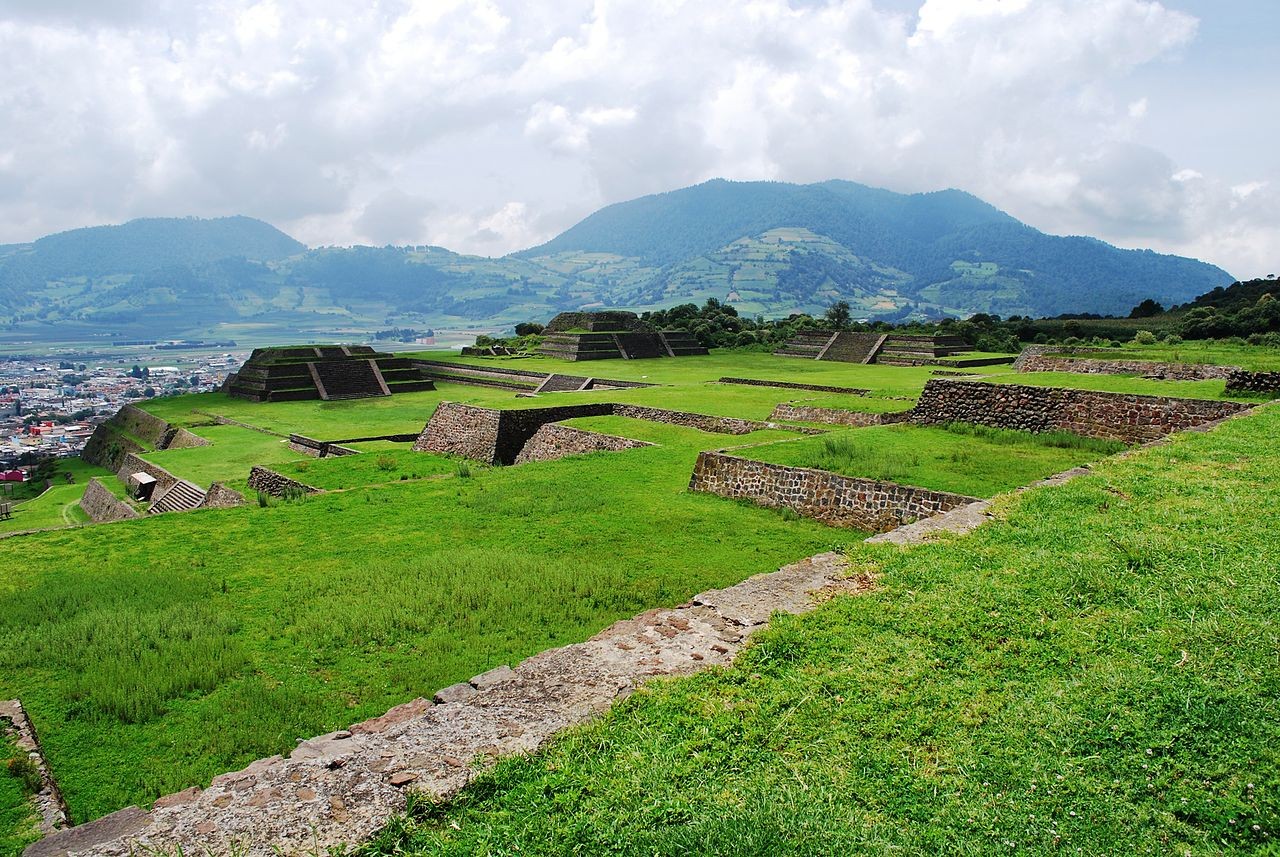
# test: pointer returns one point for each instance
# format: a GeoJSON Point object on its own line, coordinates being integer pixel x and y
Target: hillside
{"type": "Point", "coordinates": [769, 248]}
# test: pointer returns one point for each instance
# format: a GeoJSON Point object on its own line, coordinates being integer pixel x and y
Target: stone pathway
{"type": "Point", "coordinates": [343, 787]}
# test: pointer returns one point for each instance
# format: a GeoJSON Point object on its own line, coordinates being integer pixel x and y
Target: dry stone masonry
{"type": "Point", "coordinates": [497, 436]}
{"type": "Point", "coordinates": [553, 441]}
{"type": "Point", "coordinates": [49, 805]}
{"type": "Point", "coordinates": [789, 385]}
{"type": "Point", "coordinates": [1035, 359]}
{"type": "Point", "coordinates": [102, 506]}
{"type": "Point", "coordinates": [342, 787]}
{"type": "Point", "coordinates": [276, 484]}
{"type": "Point", "coordinates": [841, 501]}
{"type": "Point", "coordinates": [1110, 416]}
{"type": "Point", "coordinates": [219, 496]}
{"type": "Point", "coordinates": [1243, 381]}
{"type": "Point", "coordinates": [835, 416]}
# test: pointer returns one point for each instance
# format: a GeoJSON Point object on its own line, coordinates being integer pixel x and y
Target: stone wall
{"type": "Point", "coordinates": [318, 448]}
{"type": "Point", "coordinates": [101, 505]}
{"type": "Point", "coordinates": [840, 501]}
{"type": "Point", "coordinates": [180, 438]}
{"type": "Point", "coordinates": [108, 447]}
{"type": "Point", "coordinates": [836, 417]}
{"type": "Point", "coordinates": [1111, 416]}
{"type": "Point", "coordinates": [1244, 381]}
{"type": "Point", "coordinates": [133, 464]}
{"type": "Point", "coordinates": [553, 441]}
{"type": "Point", "coordinates": [219, 496]}
{"type": "Point", "coordinates": [789, 385]}
{"type": "Point", "coordinates": [1034, 361]}
{"type": "Point", "coordinates": [142, 425]}
{"type": "Point", "coordinates": [48, 803]}
{"type": "Point", "coordinates": [276, 484]}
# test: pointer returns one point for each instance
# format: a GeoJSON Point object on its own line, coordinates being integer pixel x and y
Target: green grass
{"type": "Point", "coordinates": [973, 460]}
{"type": "Point", "coordinates": [18, 821]}
{"type": "Point", "coordinates": [1256, 357]}
{"type": "Point", "coordinates": [373, 468]}
{"type": "Point", "coordinates": [231, 452]}
{"type": "Point", "coordinates": [1095, 672]}
{"type": "Point", "coordinates": [192, 644]}
{"type": "Point", "coordinates": [60, 505]}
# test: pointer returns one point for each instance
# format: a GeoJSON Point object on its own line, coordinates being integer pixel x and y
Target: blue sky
{"type": "Point", "coordinates": [490, 125]}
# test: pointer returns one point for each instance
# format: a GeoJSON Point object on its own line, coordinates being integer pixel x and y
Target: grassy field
{"type": "Point", "coordinates": [1217, 352]}
{"type": "Point", "coordinates": [59, 506]}
{"type": "Point", "coordinates": [1095, 672]}
{"type": "Point", "coordinates": [1122, 384]}
{"type": "Point", "coordinates": [192, 644]}
{"type": "Point", "coordinates": [972, 460]}
{"type": "Point", "coordinates": [155, 654]}
{"type": "Point", "coordinates": [17, 816]}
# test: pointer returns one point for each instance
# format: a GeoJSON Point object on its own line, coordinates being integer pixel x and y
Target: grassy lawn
{"type": "Point", "coordinates": [972, 460]}
{"type": "Point", "coordinates": [1094, 672]}
{"type": "Point", "coordinates": [376, 468]}
{"type": "Point", "coordinates": [18, 821]}
{"type": "Point", "coordinates": [60, 505]}
{"type": "Point", "coordinates": [191, 644]}
{"type": "Point", "coordinates": [232, 451]}
{"type": "Point", "coordinates": [1256, 357]}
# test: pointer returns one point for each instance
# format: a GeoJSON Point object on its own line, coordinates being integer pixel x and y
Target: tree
{"type": "Point", "coordinates": [1146, 309]}
{"type": "Point", "coordinates": [838, 316]}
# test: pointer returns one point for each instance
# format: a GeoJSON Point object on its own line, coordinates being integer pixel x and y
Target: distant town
{"type": "Point", "coordinates": [49, 406]}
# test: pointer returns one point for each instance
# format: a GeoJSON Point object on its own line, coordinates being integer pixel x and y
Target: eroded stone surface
{"type": "Point", "coordinates": [342, 787]}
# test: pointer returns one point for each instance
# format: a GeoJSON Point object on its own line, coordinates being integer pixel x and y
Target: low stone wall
{"type": "Point", "coordinates": [1041, 362]}
{"type": "Point", "coordinates": [107, 447]}
{"type": "Point", "coordinates": [835, 416]}
{"type": "Point", "coordinates": [788, 385]}
{"type": "Point", "coordinates": [133, 464]}
{"type": "Point", "coordinates": [276, 484]}
{"type": "Point", "coordinates": [219, 496]}
{"type": "Point", "coordinates": [180, 438]}
{"type": "Point", "coordinates": [1244, 381]}
{"type": "Point", "coordinates": [553, 441]}
{"type": "Point", "coordinates": [1110, 416]}
{"type": "Point", "coordinates": [142, 425]}
{"type": "Point", "coordinates": [48, 802]}
{"type": "Point", "coordinates": [318, 448]}
{"type": "Point", "coordinates": [101, 505]}
{"type": "Point", "coordinates": [841, 501]}
{"type": "Point", "coordinates": [497, 437]}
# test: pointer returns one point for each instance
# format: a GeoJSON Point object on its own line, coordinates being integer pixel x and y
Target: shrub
{"type": "Point", "coordinates": [264, 499]}
{"type": "Point", "coordinates": [21, 768]}
{"type": "Point", "coordinates": [1144, 337]}
{"type": "Point", "coordinates": [385, 462]}
{"type": "Point", "coordinates": [463, 470]}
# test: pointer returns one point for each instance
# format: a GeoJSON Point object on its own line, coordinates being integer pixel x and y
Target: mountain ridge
{"type": "Point", "coordinates": [771, 248]}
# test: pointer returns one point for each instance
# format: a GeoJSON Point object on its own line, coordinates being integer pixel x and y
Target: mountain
{"type": "Point", "coordinates": [767, 247]}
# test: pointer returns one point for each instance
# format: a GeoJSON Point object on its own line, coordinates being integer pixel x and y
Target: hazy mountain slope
{"type": "Point", "coordinates": [769, 248]}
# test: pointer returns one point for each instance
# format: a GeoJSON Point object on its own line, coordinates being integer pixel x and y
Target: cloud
{"type": "Point", "coordinates": [486, 126]}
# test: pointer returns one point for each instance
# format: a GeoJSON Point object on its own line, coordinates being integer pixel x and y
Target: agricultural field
{"type": "Point", "coordinates": [191, 644]}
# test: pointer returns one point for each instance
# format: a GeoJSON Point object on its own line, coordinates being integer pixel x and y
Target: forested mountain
{"type": "Point", "coordinates": [767, 247]}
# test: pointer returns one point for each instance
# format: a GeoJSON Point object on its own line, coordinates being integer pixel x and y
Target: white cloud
{"type": "Point", "coordinates": [487, 126]}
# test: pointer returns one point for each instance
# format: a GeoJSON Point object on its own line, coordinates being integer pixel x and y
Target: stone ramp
{"type": "Point", "coordinates": [342, 787]}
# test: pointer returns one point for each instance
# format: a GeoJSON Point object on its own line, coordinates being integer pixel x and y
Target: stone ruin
{"type": "Point", "coordinates": [299, 373]}
{"type": "Point", "coordinates": [613, 335]}
{"type": "Point", "coordinates": [520, 380]}
{"type": "Point", "coordinates": [889, 349]}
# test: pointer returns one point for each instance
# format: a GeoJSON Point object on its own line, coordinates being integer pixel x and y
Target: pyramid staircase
{"type": "Point", "coordinates": [348, 379]}
{"type": "Point", "coordinates": [181, 496]}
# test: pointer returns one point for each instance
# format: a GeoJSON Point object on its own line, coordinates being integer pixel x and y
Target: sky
{"type": "Point", "coordinates": [490, 126]}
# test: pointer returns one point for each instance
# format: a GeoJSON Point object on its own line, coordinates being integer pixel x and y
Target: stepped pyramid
{"type": "Point", "coordinates": [612, 335]}
{"type": "Point", "coordinates": [324, 372]}
{"type": "Point", "coordinates": [891, 349]}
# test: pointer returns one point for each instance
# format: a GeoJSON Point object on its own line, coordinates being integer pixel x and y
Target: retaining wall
{"type": "Point", "coordinates": [318, 448]}
{"type": "Point", "coordinates": [835, 416]}
{"type": "Point", "coordinates": [788, 385]}
{"type": "Point", "coordinates": [1031, 361]}
{"type": "Point", "coordinates": [497, 437]}
{"type": "Point", "coordinates": [1244, 381]}
{"type": "Point", "coordinates": [219, 496]}
{"type": "Point", "coordinates": [1110, 416]}
{"type": "Point", "coordinates": [101, 505]}
{"type": "Point", "coordinates": [841, 501]}
{"type": "Point", "coordinates": [276, 484]}
{"type": "Point", "coordinates": [180, 438]}
{"type": "Point", "coordinates": [553, 441]}
{"type": "Point", "coordinates": [133, 464]}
